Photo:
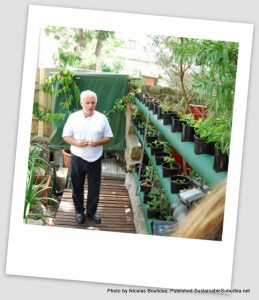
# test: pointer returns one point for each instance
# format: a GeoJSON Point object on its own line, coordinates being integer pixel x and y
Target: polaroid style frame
{"type": "Point", "coordinates": [116, 258]}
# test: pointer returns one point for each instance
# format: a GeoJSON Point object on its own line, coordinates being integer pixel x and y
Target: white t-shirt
{"type": "Point", "coordinates": [87, 128]}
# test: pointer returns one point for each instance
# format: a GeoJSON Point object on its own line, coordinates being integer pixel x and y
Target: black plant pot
{"type": "Point", "coordinates": [167, 117]}
{"type": "Point", "coordinates": [200, 145]}
{"type": "Point", "coordinates": [154, 150]}
{"type": "Point", "coordinates": [139, 96]}
{"type": "Point", "coordinates": [220, 163]}
{"type": "Point", "coordinates": [155, 108]}
{"type": "Point", "coordinates": [176, 125]}
{"type": "Point", "coordinates": [150, 104]}
{"type": "Point", "coordinates": [136, 121]}
{"type": "Point", "coordinates": [210, 149]}
{"type": "Point", "coordinates": [145, 185]}
{"type": "Point", "coordinates": [167, 171]}
{"type": "Point", "coordinates": [152, 138]}
{"type": "Point", "coordinates": [177, 186]}
{"type": "Point", "coordinates": [187, 133]}
{"type": "Point", "coordinates": [159, 157]}
{"type": "Point", "coordinates": [153, 214]}
{"type": "Point", "coordinates": [146, 198]}
{"type": "Point", "coordinates": [141, 131]}
{"type": "Point", "coordinates": [159, 112]}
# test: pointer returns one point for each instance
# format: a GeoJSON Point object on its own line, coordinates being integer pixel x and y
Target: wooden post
{"type": "Point", "coordinates": [42, 100]}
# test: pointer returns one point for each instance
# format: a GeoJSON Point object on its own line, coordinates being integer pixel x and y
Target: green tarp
{"type": "Point", "coordinates": [108, 88]}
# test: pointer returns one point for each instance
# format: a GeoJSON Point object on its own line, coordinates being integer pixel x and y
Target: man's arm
{"type": "Point", "coordinates": [79, 143]}
{"type": "Point", "coordinates": [99, 142]}
{"type": "Point", "coordinates": [83, 143]}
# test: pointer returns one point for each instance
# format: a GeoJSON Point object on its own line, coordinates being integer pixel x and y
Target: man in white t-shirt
{"type": "Point", "coordinates": [86, 131]}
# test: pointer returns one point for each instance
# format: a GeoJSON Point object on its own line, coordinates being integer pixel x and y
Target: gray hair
{"type": "Point", "coordinates": [87, 93]}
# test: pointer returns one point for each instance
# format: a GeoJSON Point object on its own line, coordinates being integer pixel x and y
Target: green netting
{"type": "Point", "coordinates": [108, 88]}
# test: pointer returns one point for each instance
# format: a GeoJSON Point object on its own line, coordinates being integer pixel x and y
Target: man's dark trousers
{"type": "Point", "coordinates": [79, 169]}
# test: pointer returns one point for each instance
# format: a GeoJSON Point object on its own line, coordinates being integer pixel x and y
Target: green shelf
{"type": "Point", "coordinates": [202, 164]}
{"type": "Point", "coordinates": [165, 181]}
{"type": "Point", "coordinates": [144, 206]}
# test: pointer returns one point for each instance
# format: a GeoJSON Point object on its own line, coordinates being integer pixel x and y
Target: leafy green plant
{"type": "Point", "coordinates": [169, 160]}
{"type": "Point", "coordinates": [65, 83]}
{"type": "Point", "coordinates": [148, 172]}
{"type": "Point", "coordinates": [45, 114]}
{"type": "Point", "coordinates": [188, 119]}
{"type": "Point", "coordinates": [179, 180]}
{"type": "Point", "coordinates": [159, 143]}
{"type": "Point", "coordinates": [216, 130]}
{"type": "Point", "coordinates": [33, 195]}
{"type": "Point", "coordinates": [154, 204]}
{"type": "Point", "coordinates": [152, 131]}
{"type": "Point", "coordinates": [36, 159]}
{"type": "Point", "coordinates": [166, 107]}
{"type": "Point", "coordinates": [120, 104]}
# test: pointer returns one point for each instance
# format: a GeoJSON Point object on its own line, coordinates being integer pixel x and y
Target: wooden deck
{"type": "Point", "coordinates": [114, 208]}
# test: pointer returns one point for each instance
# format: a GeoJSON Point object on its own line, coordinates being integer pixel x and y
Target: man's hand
{"type": "Point", "coordinates": [82, 143]}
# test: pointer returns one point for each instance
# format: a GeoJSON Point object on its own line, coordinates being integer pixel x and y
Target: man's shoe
{"type": "Point", "coordinates": [96, 218]}
{"type": "Point", "coordinates": [80, 218]}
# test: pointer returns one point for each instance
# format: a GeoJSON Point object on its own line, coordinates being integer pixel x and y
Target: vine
{"type": "Point", "coordinates": [68, 85]}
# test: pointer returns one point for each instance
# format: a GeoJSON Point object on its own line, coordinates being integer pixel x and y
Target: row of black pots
{"type": "Point", "coordinates": [177, 183]}
{"type": "Point", "coordinates": [220, 163]}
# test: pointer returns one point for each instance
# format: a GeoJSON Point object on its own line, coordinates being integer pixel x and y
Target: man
{"type": "Point", "coordinates": [86, 130]}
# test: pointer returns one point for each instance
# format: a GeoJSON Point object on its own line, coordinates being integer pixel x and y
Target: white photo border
{"type": "Point", "coordinates": [93, 256]}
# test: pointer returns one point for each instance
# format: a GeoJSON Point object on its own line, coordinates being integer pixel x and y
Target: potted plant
{"type": "Point", "coordinates": [157, 146]}
{"type": "Point", "coordinates": [153, 208]}
{"type": "Point", "coordinates": [159, 157]}
{"type": "Point", "coordinates": [167, 113]}
{"type": "Point", "coordinates": [136, 118]}
{"type": "Point", "coordinates": [146, 183]}
{"type": "Point", "coordinates": [152, 134]}
{"type": "Point", "coordinates": [148, 195]}
{"type": "Point", "coordinates": [179, 182]}
{"type": "Point", "coordinates": [155, 106]}
{"type": "Point", "coordinates": [205, 136]}
{"type": "Point", "coordinates": [222, 145]}
{"type": "Point", "coordinates": [39, 165]}
{"type": "Point", "coordinates": [188, 122]}
{"type": "Point", "coordinates": [170, 167]}
{"type": "Point", "coordinates": [176, 123]}
{"type": "Point", "coordinates": [34, 194]}
{"type": "Point", "coordinates": [66, 157]}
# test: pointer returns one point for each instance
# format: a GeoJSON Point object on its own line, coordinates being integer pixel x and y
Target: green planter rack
{"type": "Point", "coordinates": [202, 164]}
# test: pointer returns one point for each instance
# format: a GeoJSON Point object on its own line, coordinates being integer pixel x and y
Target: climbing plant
{"type": "Point", "coordinates": [65, 83]}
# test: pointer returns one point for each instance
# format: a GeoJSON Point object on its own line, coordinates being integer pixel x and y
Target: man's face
{"type": "Point", "coordinates": [88, 104]}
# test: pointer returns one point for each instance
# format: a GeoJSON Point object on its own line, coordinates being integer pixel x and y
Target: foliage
{"type": "Point", "coordinates": [81, 48]}
{"type": "Point", "coordinates": [216, 79]}
{"type": "Point", "coordinates": [34, 191]}
{"type": "Point", "coordinates": [44, 114]}
{"type": "Point", "coordinates": [188, 119]}
{"type": "Point", "coordinates": [136, 84]}
{"type": "Point", "coordinates": [152, 130]}
{"type": "Point", "coordinates": [32, 195]}
{"type": "Point", "coordinates": [166, 107]}
{"type": "Point", "coordinates": [169, 160]}
{"type": "Point", "coordinates": [68, 86]}
{"type": "Point", "coordinates": [154, 204]}
{"type": "Point", "coordinates": [120, 104]}
{"type": "Point", "coordinates": [159, 143]}
{"type": "Point", "coordinates": [177, 57]}
{"type": "Point", "coordinates": [36, 159]}
{"type": "Point", "coordinates": [216, 130]}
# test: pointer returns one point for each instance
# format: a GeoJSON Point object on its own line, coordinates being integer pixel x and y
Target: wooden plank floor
{"type": "Point", "coordinates": [114, 208]}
